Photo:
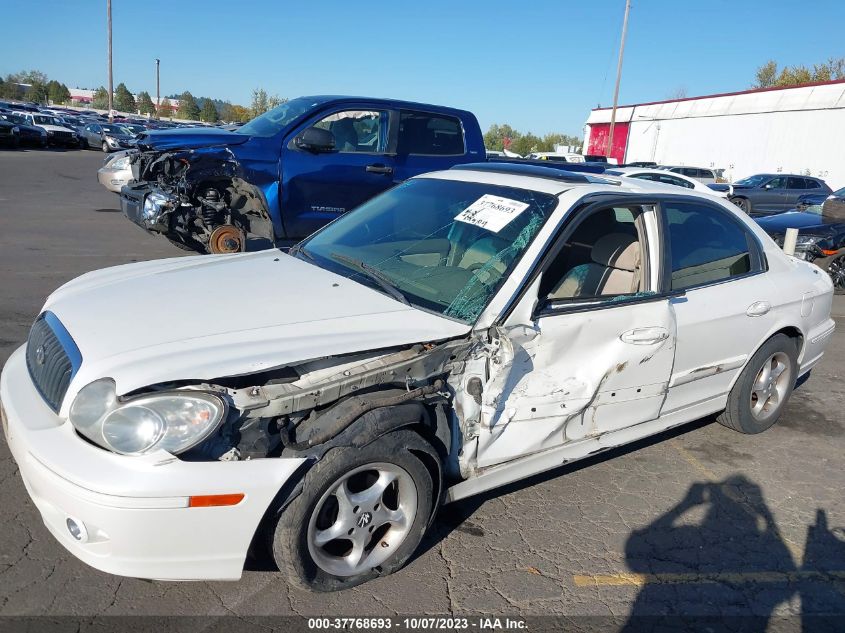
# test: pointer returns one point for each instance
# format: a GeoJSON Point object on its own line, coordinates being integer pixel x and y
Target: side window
{"type": "Point", "coordinates": [430, 134]}
{"type": "Point", "coordinates": [706, 245]}
{"type": "Point", "coordinates": [777, 183]}
{"type": "Point", "coordinates": [678, 182]}
{"type": "Point", "coordinates": [602, 257]}
{"type": "Point", "coordinates": [357, 130]}
{"type": "Point", "coordinates": [809, 183]}
{"type": "Point", "coordinates": [795, 183]}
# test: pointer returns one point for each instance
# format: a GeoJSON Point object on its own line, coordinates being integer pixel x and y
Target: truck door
{"type": "Point", "coordinates": [316, 187]}
{"type": "Point", "coordinates": [429, 141]}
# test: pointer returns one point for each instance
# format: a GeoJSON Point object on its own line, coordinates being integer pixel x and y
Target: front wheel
{"type": "Point", "coordinates": [836, 270]}
{"type": "Point", "coordinates": [361, 514]}
{"type": "Point", "coordinates": [742, 203]}
{"type": "Point", "coordinates": [105, 147]}
{"type": "Point", "coordinates": [763, 388]}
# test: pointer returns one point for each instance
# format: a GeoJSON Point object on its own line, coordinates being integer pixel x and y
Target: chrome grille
{"type": "Point", "coordinates": [52, 358]}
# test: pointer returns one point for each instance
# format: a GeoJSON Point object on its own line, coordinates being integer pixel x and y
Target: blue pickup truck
{"type": "Point", "coordinates": [289, 171]}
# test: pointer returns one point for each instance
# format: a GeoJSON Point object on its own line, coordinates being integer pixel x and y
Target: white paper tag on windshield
{"type": "Point", "coordinates": [491, 212]}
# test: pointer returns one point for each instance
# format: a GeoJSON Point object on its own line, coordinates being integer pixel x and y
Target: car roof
{"type": "Point", "coordinates": [387, 103]}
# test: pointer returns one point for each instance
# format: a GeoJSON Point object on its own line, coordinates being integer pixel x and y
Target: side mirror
{"type": "Point", "coordinates": [768, 185]}
{"type": "Point", "coordinates": [316, 140]}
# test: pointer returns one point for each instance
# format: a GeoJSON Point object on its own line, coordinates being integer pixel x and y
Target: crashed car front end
{"type": "Point", "coordinates": [201, 199]}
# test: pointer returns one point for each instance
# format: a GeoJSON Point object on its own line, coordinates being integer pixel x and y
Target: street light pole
{"type": "Point", "coordinates": [158, 103]}
{"type": "Point", "coordinates": [618, 79]}
{"type": "Point", "coordinates": [111, 84]}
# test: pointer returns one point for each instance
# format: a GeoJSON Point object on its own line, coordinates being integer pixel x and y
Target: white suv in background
{"type": "Point", "coordinates": [701, 174]}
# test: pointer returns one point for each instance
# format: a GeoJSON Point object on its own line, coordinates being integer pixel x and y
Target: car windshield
{"type": "Point", "coordinates": [44, 120]}
{"type": "Point", "coordinates": [441, 245]}
{"type": "Point", "coordinates": [272, 122]}
{"type": "Point", "coordinates": [753, 181]}
{"type": "Point", "coordinates": [839, 193]}
{"type": "Point", "coordinates": [113, 129]}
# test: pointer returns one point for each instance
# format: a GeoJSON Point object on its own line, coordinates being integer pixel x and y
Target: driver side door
{"type": "Point", "coordinates": [317, 187]}
{"type": "Point", "coordinates": [597, 354]}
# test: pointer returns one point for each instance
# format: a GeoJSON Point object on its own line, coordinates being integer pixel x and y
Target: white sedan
{"type": "Point", "coordinates": [464, 330]}
{"type": "Point", "coordinates": [665, 177]}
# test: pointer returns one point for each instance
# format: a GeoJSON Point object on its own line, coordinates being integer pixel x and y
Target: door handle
{"type": "Point", "coordinates": [758, 308]}
{"type": "Point", "coordinates": [379, 169]}
{"type": "Point", "coordinates": [645, 335]}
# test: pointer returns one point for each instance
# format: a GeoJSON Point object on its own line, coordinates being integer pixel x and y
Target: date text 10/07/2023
{"type": "Point", "coordinates": [422, 623]}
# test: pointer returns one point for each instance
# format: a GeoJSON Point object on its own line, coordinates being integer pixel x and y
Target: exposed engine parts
{"type": "Point", "coordinates": [198, 199]}
{"type": "Point", "coordinates": [310, 408]}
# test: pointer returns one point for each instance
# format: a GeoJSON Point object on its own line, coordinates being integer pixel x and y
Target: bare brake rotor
{"type": "Point", "coordinates": [226, 239]}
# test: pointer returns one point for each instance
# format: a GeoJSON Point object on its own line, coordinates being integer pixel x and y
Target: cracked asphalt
{"type": "Point", "coordinates": [699, 522]}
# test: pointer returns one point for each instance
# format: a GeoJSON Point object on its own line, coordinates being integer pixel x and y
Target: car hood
{"type": "Point", "coordinates": [805, 222]}
{"type": "Point", "coordinates": [206, 317]}
{"type": "Point", "coordinates": [57, 128]}
{"type": "Point", "coordinates": [189, 138]}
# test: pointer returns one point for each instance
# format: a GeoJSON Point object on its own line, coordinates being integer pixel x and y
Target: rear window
{"type": "Point", "coordinates": [430, 134]}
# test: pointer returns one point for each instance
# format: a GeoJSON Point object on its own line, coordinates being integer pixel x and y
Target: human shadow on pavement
{"type": "Point", "coordinates": [717, 561]}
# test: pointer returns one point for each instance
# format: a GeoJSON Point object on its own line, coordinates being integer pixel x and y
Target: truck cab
{"type": "Point", "coordinates": [291, 170]}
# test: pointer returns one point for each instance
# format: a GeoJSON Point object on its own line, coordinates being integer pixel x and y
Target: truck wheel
{"type": "Point", "coordinates": [361, 514]}
{"type": "Point", "coordinates": [763, 388]}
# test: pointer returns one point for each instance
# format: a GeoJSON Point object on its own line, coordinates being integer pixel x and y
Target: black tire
{"type": "Point", "coordinates": [181, 245]}
{"type": "Point", "coordinates": [290, 538]}
{"type": "Point", "coordinates": [743, 203]}
{"type": "Point", "coordinates": [738, 414]}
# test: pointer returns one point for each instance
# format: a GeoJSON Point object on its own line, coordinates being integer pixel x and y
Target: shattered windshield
{"type": "Point", "coordinates": [442, 245]}
{"type": "Point", "coordinates": [274, 121]}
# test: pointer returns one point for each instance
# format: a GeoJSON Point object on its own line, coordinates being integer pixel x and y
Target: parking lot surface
{"type": "Point", "coordinates": [702, 521]}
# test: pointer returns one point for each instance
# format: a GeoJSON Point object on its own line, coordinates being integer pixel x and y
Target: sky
{"type": "Point", "coordinates": [538, 65]}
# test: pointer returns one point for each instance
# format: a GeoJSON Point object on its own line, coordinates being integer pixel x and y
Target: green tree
{"type": "Point", "coordinates": [101, 99]}
{"type": "Point", "coordinates": [188, 108]}
{"type": "Point", "coordinates": [57, 93]}
{"type": "Point", "coordinates": [28, 77]}
{"type": "Point", "coordinates": [767, 75]}
{"type": "Point", "coordinates": [37, 92]}
{"type": "Point", "coordinates": [275, 101]}
{"type": "Point", "coordinates": [123, 99]}
{"type": "Point", "coordinates": [145, 103]}
{"type": "Point", "coordinates": [260, 102]}
{"type": "Point", "coordinates": [209, 112]}
{"type": "Point", "coordinates": [165, 109]}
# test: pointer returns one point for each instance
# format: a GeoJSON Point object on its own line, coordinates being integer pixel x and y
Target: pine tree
{"type": "Point", "coordinates": [209, 112]}
{"type": "Point", "coordinates": [145, 103]}
{"type": "Point", "coordinates": [123, 99]}
{"type": "Point", "coordinates": [188, 108]}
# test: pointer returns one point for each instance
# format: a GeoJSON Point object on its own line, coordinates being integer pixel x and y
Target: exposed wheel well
{"type": "Point", "coordinates": [795, 334]}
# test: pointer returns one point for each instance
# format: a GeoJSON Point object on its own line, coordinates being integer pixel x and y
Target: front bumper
{"type": "Point", "coordinates": [134, 509]}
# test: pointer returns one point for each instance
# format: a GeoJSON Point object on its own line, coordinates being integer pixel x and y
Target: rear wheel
{"type": "Point", "coordinates": [763, 388]}
{"type": "Point", "coordinates": [361, 514]}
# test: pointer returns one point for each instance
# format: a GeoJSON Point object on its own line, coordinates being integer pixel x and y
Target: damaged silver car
{"type": "Point", "coordinates": [464, 330]}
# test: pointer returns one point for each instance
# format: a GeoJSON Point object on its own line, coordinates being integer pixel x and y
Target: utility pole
{"type": "Point", "coordinates": [158, 62]}
{"type": "Point", "coordinates": [618, 79]}
{"type": "Point", "coordinates": [111, 84]}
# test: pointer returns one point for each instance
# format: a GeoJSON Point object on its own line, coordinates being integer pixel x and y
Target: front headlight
{"type": "Point", "coordinates": [806, 241]}
{"type": "Point", "coordinates": [112, 142]}
{"type": "Point", "coordinates": [16, 130]}
{"type": "Point", "coordinates": [50, 132]}
{"type": "Point", "coordinates": [120, 163]}
{"type": "Point", "coordinates": [172, 421]}
{"type": "Point", "coordinates": [153, 205]}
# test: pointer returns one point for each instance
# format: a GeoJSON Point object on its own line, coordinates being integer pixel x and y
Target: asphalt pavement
{"type": "Point", "coordinates": [702, 521]}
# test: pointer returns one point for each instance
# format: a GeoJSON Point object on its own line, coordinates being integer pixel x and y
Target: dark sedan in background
{"type": "Point", "coordinates": [764, 194]}
{"type": "Point", "coordinates": [29, 134]}
{"type": "Point", "coordinates": [821, 236]}
{"type": "Point", "coordinates": [9, 135]}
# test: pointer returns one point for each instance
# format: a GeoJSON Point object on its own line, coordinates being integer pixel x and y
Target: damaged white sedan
{"type": "Point", "coordinates": [463, 330]}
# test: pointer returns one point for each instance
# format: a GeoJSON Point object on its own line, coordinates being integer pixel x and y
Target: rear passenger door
{"type": "Point", "coordinates": [726, 310]}
{"type": "Point", "coordinates": [795, 188]}
{"type": "Point", "coordinates": [428, 141]}
{"type": "Point", "coordinates": [318, 187]}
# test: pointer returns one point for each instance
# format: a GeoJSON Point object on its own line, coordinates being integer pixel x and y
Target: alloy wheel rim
{"type": "Point", "coordinates": [836, 270]}
{"type": "Point", "coordinates": [770, 387]}
{"type": "Point", "coordinates": [362, 519]}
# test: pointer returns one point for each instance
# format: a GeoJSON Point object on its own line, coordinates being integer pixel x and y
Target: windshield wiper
{"type": "Point", "coordinates": [375, 274]}
{"type": "Point", "coordinates": [297, 249]}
